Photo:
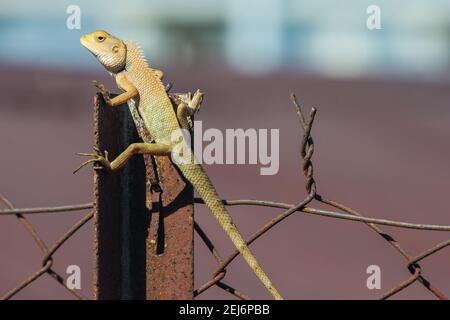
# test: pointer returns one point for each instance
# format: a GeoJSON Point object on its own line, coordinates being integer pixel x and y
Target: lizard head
{"type": "Point", "coordinates": [109, 50]}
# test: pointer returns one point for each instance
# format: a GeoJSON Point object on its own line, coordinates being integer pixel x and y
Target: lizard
{"type": "Point", "coordinates": [144, 91]}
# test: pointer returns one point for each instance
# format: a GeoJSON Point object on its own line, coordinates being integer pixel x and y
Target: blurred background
{"type": "Point", "coordinates": [381, 131]}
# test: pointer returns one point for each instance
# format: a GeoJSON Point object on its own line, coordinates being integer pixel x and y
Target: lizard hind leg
{"type": "Point", "coordinates": [158, 73]}
{"type": "Point", "coordinates": [187, 106]}
{"type": "Point", "coordinates": [196, 101]}
{"type": "Point", "coordinates": [184, 116]}
{"type": "Point", "coordinates": [154, 149]}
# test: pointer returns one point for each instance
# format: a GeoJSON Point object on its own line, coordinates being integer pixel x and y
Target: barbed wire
{"type": "Point", "coordinates": [217, 277]}
{"type": "Point", "coordinates": [47, 259]}
{"type": "Point", "coordinates": [306, 151]}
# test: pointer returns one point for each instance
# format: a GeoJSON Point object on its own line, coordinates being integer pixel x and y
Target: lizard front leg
{"type": "Point", "coordinates": [154, 149]}
{"type": "Point", "coordinates": [124, 84]}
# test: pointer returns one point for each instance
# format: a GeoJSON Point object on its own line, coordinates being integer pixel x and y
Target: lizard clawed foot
{"type": "Point", "coordinates": [103, 91]}
{"type": "Point", "coordinates": [98, 157]}
{"type": "Point", "coordinates": [196, 101]}
{"type": "Point", "coordinates": [194, 105]}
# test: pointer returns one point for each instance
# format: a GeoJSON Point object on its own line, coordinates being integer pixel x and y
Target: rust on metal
{"type": "Point", "coordinates": [170, 264]}
{"type": "Point", "coordinates": [143, 219]}
{"type": "Point", "coordinates": [144, 222]}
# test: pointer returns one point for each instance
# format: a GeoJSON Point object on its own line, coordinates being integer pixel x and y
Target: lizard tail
{"type": "Point", "coordinates": [201, 182]}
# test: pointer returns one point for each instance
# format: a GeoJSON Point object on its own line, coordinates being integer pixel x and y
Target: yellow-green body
{"type": "Point", "coordinates": [153, 102]}
{"type": "Point", "coordinates": [145, 91]}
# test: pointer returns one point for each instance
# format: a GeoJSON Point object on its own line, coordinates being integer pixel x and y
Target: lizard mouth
{"type": "Point", "coordinates": [85, 42]}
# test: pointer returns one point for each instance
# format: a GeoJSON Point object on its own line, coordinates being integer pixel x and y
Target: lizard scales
{"type": "Point", "coordinates": [145, 91]}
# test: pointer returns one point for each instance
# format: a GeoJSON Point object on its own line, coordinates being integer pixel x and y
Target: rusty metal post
{"type": "Point", "coordinates": [143, 219]}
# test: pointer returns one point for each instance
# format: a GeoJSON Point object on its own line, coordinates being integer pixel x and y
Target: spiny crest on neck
{"type": "Point", "coordinates": [135, 51]}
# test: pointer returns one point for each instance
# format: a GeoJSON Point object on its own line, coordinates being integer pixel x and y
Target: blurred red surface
{"type": "Point", "coordinates": [381, 148]}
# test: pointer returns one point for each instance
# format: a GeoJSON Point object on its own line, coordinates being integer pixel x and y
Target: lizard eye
{"type": "Point", "coordinates": [100, 38]}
